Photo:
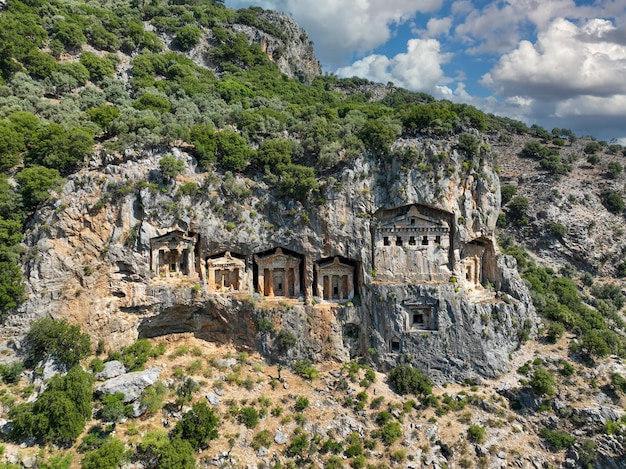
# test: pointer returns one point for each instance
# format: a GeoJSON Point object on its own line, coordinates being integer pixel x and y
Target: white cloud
{"type": "Point", "coordinates": [418, 69]}
{"type": "Point", "coordinates": [435, 27]}
{"type": "Point", "coordinates": [499, 27]}
{"type": "Point", "coordinates": [340, 29]}
{"type": "Point", "coordinates": [566, 61]}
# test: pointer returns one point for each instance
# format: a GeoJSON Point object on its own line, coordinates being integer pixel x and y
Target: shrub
{"type": "Point", "coordinates": [198, 426]}
{"type": "Point", "coordinates": [301, 404]}
{"type": "Point", "coordinates": [619, 382]}
{"type": "Point", "coordinates": [558, 440]}
{"type": "Point", "coordinates": [390, 432]}
{"type": "Point", "coordinates": [408, 380]}
{"type": "Point", "coordinates": [12, 372]}
{"type": "Point", "coordinates": [612, 201]}
{"type": "Point", "coordinates": [476, 433]}
{"type": "Point", "coordinates": [614, 169]}
{"type": "Point", "coordinates": [153, 397]}
{"type": "Point", "coordinates": [262, 439]}
{"type": "Point", "coordinates": [507, 192]}
{"type": "Point", "coordinates": [568, 369]}
{"type": "Point", "coordinates": [170, 166]}
{"type": "Point", "coordinates": [555, 332]}
{"type": "Point", "coordinates": [113, 407]}
{"type": "Point", "coordinates": [56, 338]}
{"type": "Point", "coordinates": [36, 182]}
{"type": "Point", "coordinates": [187, 37]}
{"type": "Point", "coordinates": [542, 382]}
{"type": "Point", "coordinates": [286, 339]}
{"type": "Point", "coordinates": [305, 369]}
{"type": "Point", "coordinates": [109, 456]}
{"type": "Point", "coordinates": [249, 417]}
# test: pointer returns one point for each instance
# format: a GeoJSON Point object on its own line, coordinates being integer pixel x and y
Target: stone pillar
{"type": "Point", "coordinates": [211, 280]}
{"type": "Point", "coordinates": [270, 284]}
{"type": "Point", "coordinates": [296, 281]}
{"type": "Point", "coordinates": [351, 286]}
{"type": "Point", "coordinates": [154, 262]}
{"type": "Point", "coordinates": [327, 287]}
{"type": "Point", "coordinates": [261, 282]}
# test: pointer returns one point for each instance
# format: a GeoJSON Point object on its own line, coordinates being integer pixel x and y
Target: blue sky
{"type": "Point", "coordinates": [557, 63]}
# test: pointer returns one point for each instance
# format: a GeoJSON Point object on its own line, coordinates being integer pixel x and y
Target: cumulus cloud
{"type": "Point", "coordinates": [498, 27]}
{"type": "Point", "coordinates": [566, 61]}
{"type": "Point", "coordinates": [341, 29]}
{"type": "Point", "coordinates": [418, 69]}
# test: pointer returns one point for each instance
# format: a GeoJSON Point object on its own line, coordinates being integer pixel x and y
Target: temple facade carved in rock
{"type": "Point", "coordinates": [278, 274]}
{"type": "Point", "coordinates": [173, 255]}
{"type": "Point", "coordinates": [335, 280]}
{"type": "Point", "coordinates": [412, 244]}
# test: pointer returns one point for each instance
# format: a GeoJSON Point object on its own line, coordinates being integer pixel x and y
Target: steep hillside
{"type": "Point", "coordinates": [183, 174]}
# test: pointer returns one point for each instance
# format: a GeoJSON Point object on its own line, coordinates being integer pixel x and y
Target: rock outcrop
{"type": "Point", "coordinates": [396, 260]}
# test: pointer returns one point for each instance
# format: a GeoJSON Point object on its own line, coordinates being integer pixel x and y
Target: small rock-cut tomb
{"type": "Point", "coordinates": [173, 255]}
{"type": "Point", "coordinates": [225, 273]}
{"type": "Point", "coordinates": [278, 274]}
{"type": "Point", "coordinates": [335, 280]}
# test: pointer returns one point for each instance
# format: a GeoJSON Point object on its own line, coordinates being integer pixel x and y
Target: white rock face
{"type": "Point", "coordinates": [130, 384]}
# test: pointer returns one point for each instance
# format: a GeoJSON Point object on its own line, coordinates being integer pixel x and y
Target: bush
{"type": "Point", "coordinates": [542, 382]}
{"type": "Point", "coordinates": [109, 456]}
{"type": "Point", "coordinates": [60, 413]}
{"type": "Point", "coordinates": [555, 332]}
{"type": "Point", "coordinates": [170, 166]}
{"type": "Point", "coordinates": [408, 380]}
{"type": "Point", "coordinates": [301, 404]}
{"type": "Point", "coordinates": [187, 37]}
{"type": "Point", "coordinates": [153, 397]}
{"type": "Point", "coordinates": [476, 434]}
{"type": "Point", "coordinates": [56, 338]}
{"type": "Point", "coordinates": [286, 339]}
{"type": "Point", "coordinates": [249, 417]}
{"type": "Point", "coordinates": [12, 372]}
{"type": "Point", "coordinates": [263, 439]}
{"type": "Point", "coordinates": [390, 432]}
{"type": "Point", "coordinates": [558, 440]}
{"type": "Point", "coordinates": [174, 453]}
{"type": "Point", "coordinates": [113, 408]}
{"type": "Point", "coordinates": [198, 426]}
{"type": "Point", "coordinates": [612, 201]}
{"type": "Point", "coordinates": [305, 369]}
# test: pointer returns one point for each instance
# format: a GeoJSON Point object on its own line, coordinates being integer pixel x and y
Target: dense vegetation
{"type": "Point", "coordinates": [61, 94]}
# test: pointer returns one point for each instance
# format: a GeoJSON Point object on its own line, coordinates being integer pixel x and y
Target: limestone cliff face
{"type": "Point", "coordinates": [394, 260]}
{"type": "Point", "coordinates": [293, 52]}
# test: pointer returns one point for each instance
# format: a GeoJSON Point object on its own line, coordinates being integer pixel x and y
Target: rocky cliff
{"type": "Point", "coordinates": [395, 260]}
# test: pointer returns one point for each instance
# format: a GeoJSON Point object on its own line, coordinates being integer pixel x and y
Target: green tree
{"type": "Point", "coordinates": [476, 434]}
{"type": "Point", "coordinates": [406, 379]}
{"type": "Point", "coordinates": [377, 137]}
{"type": "Point", "coordinates": [507, 192]}
{"type": "Point", "coordinates": [198, 426]}
{"type": "Point", "coordinates": [232, 151]}
{"type": "Point", "coordinates": [57, 338]}
{"type": "Point", "coordinates": [11, 145]}
{"type": "Point", "coordinates": [517, 210]}
{"type": "Point", "coordinates": [35, 183]}
{"type": "Point", "coordinates": [109, 456]}
{"type": "Point", "coordinates": [542, 382]}
{"type": "Point", "coordinates": [170, 166]}
{"type": "Point", "coordinates": [103, 115]}
{"type": "Point", "coordinates": [187, 37]}
{"type": "Point", "coordinates": [58, 148]}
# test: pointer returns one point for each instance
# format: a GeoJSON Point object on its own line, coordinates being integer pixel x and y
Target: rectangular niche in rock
{"type": "Point", "coordinates": [225, 273]}
{"type": "Point", "coordinates": [421, 316]}
{"type": "Point", "coordinates": [278, 274]}
{"type": "Point", "coordinates": [412, 244]}
{"type": "Point", "coordinates": [173, 255]}
{"type": "Point", "coordinates": [334, 280]}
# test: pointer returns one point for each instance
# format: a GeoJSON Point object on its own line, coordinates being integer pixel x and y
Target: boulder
{"type": "Point", "coordinates": [112, 369]}
{"type": "Point", "coordinates": [130, 384]}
